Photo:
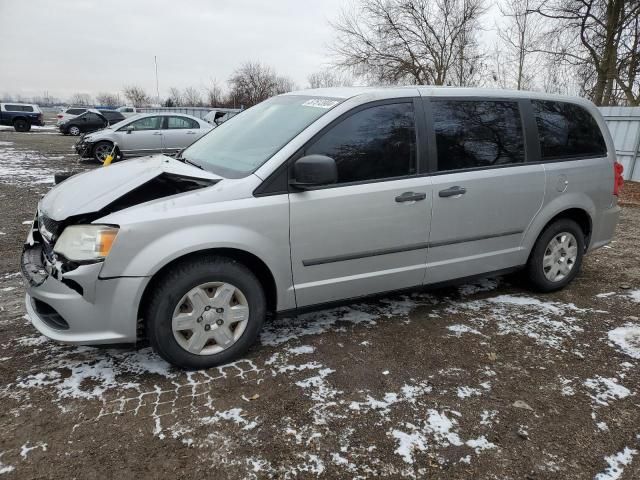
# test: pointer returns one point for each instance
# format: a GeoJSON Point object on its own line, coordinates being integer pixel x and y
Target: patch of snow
{"type": "Point", "coordinates": [26, 448]}
{"type": "Point", "coordinates": [635, 295]}
{"type": "Point", "coordinates": [616, 463]}
{"type": "Point", "coordinates": [605, 295]}
{"type": "Point", "coordinates": [627, 339]}
{"type": "Point", "coordinates": [4, 468]}
{"type": "Point", "coordinates": [301, 350]}
{"type": "Point", "coordinates": [465, 392]}
{"type": "Point", "coordinates": [408, 443]}
{"type": "Point", "coordinates": [606, 389]}
{"type": "Point", "coordinates": [460, 329]}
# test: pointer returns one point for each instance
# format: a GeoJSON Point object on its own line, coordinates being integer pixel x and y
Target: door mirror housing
{"type": "Point", "coordinates": [313, 171]}
{"type": "Point", "coordinates": [128, 128]}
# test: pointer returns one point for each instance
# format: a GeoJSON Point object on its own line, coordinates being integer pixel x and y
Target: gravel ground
{"type": "Point", "coordinates": [485, 380]}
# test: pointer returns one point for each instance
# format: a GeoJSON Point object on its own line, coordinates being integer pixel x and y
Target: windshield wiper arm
{"type": "Point", "coordinates": [197, 165]}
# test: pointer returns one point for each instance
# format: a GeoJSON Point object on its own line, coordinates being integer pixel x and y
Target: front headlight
{"type": "Point", "coordinates": [86, 242]}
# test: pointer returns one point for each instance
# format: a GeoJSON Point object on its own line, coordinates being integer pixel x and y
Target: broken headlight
{"type": "Point", "coordinates": [86, 242]}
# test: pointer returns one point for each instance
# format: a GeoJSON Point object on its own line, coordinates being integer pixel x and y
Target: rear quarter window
{"type": "Point", "coordinates": [567, 131]}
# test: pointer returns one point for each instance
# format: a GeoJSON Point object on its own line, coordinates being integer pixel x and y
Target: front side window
{"type": "Point", "coordinates": [567, 130]}
{"type": "Point", "coordinates": [181, 123]}
{"type": "Point", "coordinates": [476, 134]}
{"type": "Point", "coordinates": [241, 145]}
{"type": "Point", "coordinates": [147, 123]}
{"type": "Point", "coordinates": [376, 143]}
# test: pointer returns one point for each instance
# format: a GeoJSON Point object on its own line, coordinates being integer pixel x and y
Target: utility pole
{"type": "Point", "coordinates": [155, 59]}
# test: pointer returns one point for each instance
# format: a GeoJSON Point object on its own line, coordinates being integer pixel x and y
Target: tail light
{"type": "Point", "coordinates": [59, 115]}
{"type": "Point", "coordinates": [618, 179]}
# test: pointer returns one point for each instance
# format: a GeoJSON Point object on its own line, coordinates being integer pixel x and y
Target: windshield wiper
{"type": "Point", "coordinates": [185, 160]}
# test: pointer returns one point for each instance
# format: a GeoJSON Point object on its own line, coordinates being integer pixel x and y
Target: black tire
{"type": "Point", "coordinates": [535, 272]}
{"type": "Point", "coordinates": [95, 151]}
{"type": "Point", "coordinates": [21, 125]}
{"type": "Point", "coordinates": [168, 291]}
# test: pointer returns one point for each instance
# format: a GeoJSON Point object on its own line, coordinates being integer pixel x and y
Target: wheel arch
{"type": "Point", "coordinates": [251, 261]}
{"type": "Point", "coordinates": [578, 214]}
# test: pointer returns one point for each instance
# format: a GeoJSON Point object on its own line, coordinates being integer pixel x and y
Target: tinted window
{"type": "Point", "coordinates": [567, 130]}
{"type": "Point", "coordinates": [27, 108]}
{"type": "Point", "coordinates": [16, 108]}
{"type": "Point", "coordinates": [147, 123]}
{"type": "Point", "coordinates": [181, 122]}
{"type": "Point", "coordinates": [472, 134]}
{"type": "Point", "coordinates": [92, 117]}
{"type": "Point", "coordinates": [379, 142]}
{"type": "Point", "coordinates": [76, 111]}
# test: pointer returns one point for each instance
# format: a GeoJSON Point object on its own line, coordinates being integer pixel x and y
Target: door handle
{"type": "Point", "coordinates": [452, 191]}
{"type": "Point", "coordinates": [157, 133]}
{"type": "Point", "coordinates": [411, 197]}
{"type": "Point", "coordinates": [191, 133]}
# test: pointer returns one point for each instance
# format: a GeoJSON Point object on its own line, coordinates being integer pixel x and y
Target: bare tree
{"type": "Point", "coordinates": [175, 97]}
{"type": "Point", "coordinates": [192, 97]}
{"type": "Point", "coordinates": [628, 76]}
{"type": "Point", "coordinates": [136, 96]}
{"type": "Point", "coordinates": [327, 78]}
{"type": "Point", "coordinates": [214, 94]}
{"type": "Point", "coordinates": [589, 35]}
{"type": "Point", "coordinates": [416, 41]}
{"type": "Point", "coordinates": [520, 34]}
{"type": "Point", "coordinates": [283, 84]}
{"type": "Point", "coordinates": [252, 83]}
{"type": "Point", "coordinates": [109, 99]}
{"type": "Point", "coordinates": [83, 99]}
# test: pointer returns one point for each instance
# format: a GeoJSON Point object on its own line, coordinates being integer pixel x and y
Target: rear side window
{"type": "Point", "coordinates": [475, 134]}
{"type": "Point", "coordinates": [567, 131]}
{"type": "Point", "coordinates": [174, 123]}
{"type": "Point", "coordinates": [76, 111]}
{"type": "Point", "coordinates": [376, 143]}
{"type": "Point", "coordinates": [18, 108]}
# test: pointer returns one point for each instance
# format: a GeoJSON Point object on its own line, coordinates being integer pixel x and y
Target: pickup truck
{"type": "Point", "coordinates": [20, 116]}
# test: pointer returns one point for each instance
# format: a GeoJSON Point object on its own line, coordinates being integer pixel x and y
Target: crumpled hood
{"type": "Point", "coordinates": [94, 190]}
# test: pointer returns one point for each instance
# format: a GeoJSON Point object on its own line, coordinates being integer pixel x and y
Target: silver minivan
{"type": "Point", "coordinates": [317, 197]}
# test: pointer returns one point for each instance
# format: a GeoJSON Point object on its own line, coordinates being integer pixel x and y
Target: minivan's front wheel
{"type": "Point", "coordinates": [205, 312]}
{"type": "Point", "coordinates": [557, 256]}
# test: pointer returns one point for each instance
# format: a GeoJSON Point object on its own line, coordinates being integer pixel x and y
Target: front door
{"type": "Point", "coordinates": [141, 137]}
{"type": "Point", "coordinates": [484, 194]}
{"type": "Point", "coordinates": [368, 232]}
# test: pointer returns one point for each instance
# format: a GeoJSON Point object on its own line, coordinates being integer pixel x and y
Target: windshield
{"type": "Point", "coordinates": [240, 145]}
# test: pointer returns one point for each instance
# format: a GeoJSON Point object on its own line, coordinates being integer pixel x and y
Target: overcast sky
{"type": "Point", "coordinates": [88, 46]}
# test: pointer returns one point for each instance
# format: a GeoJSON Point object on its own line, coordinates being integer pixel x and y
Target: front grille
{"type": "Point", "coordinates": [52, 226]}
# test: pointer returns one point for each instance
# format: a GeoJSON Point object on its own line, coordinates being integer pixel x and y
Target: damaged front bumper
{"type": "Point", "coordinates": [83, 148]}
{"type": "Point", "coordinates": [72, 304]}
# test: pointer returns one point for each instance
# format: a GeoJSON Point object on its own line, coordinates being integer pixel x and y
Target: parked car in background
{"type": "Point", "coordinates": [127, 111]}
{"type": "Point", "coordinates": [89, 121]}
{"type": "Point", "coordinates": [21, 116]}
{"type": "Point", "coordinates": [315, 197]}
{"type": "Point", "coordinates": [217, 117]}
{"type": "Point", "coordinates": [144, 134]}
{"type": "Point", "coordinates": [69, 113]}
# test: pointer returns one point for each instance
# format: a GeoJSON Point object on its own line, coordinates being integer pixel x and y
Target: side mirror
{"type": "Point", "coordinates": [128, 129]}
{"type": "Point", "coordinates": [313, 171]}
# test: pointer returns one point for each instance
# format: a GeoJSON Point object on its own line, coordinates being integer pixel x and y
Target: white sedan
{"type": "Point", "coordinates": [144, 134]}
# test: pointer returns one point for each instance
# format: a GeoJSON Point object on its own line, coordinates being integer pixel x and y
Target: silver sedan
{"type": "Point", "coordinates": [144, 134]}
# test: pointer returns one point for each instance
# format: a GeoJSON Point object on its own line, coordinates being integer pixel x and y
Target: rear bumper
{"type": "Point", "coordinates": [605, 227]}
{"type": "Point", "coordinates": [78, 307]}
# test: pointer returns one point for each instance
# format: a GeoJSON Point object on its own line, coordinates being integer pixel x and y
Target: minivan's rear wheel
{"type": "Point", "coordinates": [102, 150]}
{"type": "Point", "coordinates": [21, 125]}
{"type": "Point", "coordinates": [73, 130]}
{"type": "Point", "coordinates": [557, 256]}
{"type": "Point", "coordinates": [205, 312]}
